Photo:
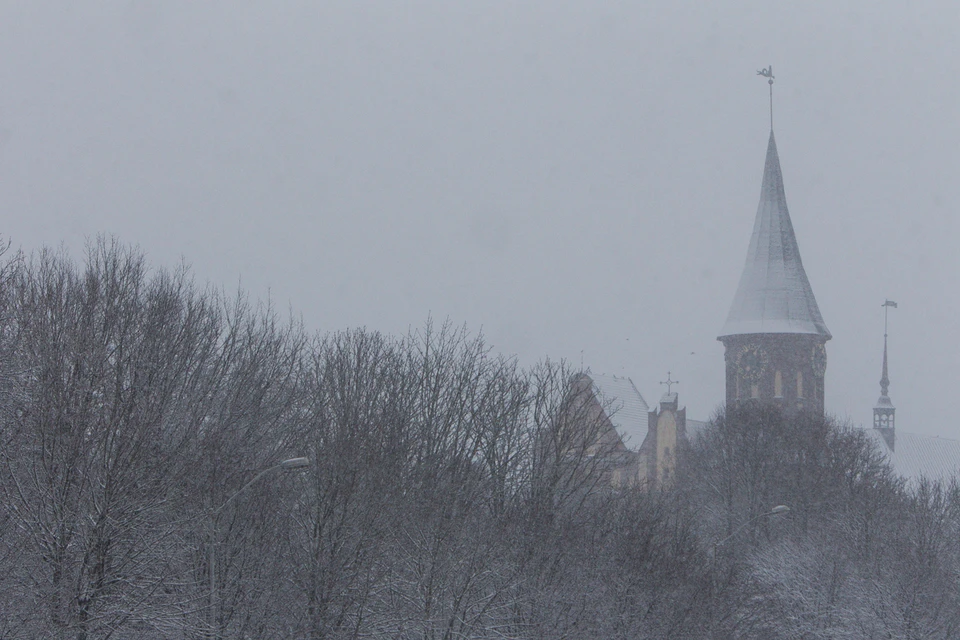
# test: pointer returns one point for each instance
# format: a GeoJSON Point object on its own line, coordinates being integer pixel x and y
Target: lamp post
{"type": "Point", "coordinates": [287, 465]}
{"type": "Point", "coordinates": [715, 560]}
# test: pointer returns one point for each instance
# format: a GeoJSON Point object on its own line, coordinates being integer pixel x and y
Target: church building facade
{"type": "Point", "coordinates": [774, 342]}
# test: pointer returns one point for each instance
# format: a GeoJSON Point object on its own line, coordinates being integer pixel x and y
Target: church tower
{"type": "Point", "coordinates": [774, 336]}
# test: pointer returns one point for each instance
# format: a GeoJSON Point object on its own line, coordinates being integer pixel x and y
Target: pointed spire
{"type": "Point", "coordinates": [884, 378]}
{"type": "Point", "coordinates": [884, 410]}
{"type": "Point", "coordinates": [884, 413]}
{"type": "Point", "coordinates": [774, 295]}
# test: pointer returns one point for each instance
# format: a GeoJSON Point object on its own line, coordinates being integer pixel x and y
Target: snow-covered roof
{"type": "Point", "coordinates": [695, 427]}
{"type": "Point", "coordinates": [774, 295]}
{"type": "Point", "coordinates": [915, 456]}
{"type": "Point", "coordinates": [883, 402]}
{"type": "Point", "coordinates": [625, 407]}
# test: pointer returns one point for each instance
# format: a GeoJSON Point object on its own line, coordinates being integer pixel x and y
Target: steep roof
{"type": "Point", "coordinates": [774, 295]}
{"type": "Point", "coordinates": [624, 406]}
{"type": "Point", "coordinates": [916, 456]}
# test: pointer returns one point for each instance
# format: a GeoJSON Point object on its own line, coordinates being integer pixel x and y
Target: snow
{"type": "Point", "coordinates": [625, 407]}
{"type": "Point", "coordinates": [917, 456]}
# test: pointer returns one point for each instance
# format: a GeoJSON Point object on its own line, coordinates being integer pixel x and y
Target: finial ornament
{"type": "Point", "coordinates": [668, 382]}
{"type": "Point", "coordinates": [768, 74]}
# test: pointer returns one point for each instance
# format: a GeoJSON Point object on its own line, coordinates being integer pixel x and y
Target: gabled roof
{"type": "Point", "coordinates": [774, 295]}
{"type": "Point", "coordinates": [624, 406]}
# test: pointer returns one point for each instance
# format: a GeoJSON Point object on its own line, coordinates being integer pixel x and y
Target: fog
{"type": "Point", "coordinates": [575, 180]}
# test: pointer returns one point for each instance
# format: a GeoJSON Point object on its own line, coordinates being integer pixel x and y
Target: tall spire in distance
{"type": "Point", "coordinates": [884, 413]}
{"type": "Point", "coordinates": [884, 378]}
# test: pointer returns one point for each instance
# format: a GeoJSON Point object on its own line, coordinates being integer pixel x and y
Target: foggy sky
{"type": "Point", "coordinates": [576, 179]}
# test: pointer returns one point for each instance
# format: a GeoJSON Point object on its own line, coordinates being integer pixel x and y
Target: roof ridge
{"type": "Point", "coordinates": [644, 400]}
{"type": "Point", "coordinates": [627, 379]}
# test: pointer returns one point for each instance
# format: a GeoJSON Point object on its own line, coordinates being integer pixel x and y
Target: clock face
{"type": "Point", "coordinates": [819, 360]}
{"type": "Point", "coordinates": [751, 363]}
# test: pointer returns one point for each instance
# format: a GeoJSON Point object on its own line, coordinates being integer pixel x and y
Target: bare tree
{"type": "Point", "coordinates": [352, 433]}
{"type": "Point", "coordinates": [103, 355]}
{"type": "Point", "coordinates": [447, 575]}
{"type": "Point", "coordinates": [245, 416]}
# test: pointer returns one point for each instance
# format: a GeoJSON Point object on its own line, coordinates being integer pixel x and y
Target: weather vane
{"type": "Point", "coordinates": [768, 74]}
{"type": "Point", "coordinates": [886, 307]}
{"type": "Point", "coordinates": [668, 382]}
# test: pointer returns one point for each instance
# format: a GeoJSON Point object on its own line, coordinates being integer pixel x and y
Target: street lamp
{"type": "Point", "coordinates": [777, 510]}
{"type": "Point", "coordinates": [295, 463]}
{"type": "Point", "coordinates": [286, 465]}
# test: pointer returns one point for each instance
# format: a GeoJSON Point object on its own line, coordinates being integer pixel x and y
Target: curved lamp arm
{"type": "Point", "coordinates": [286, 465]}
{"type": "Point", "coordinates": [291, 463]}
{"type": "Point", "coordinates": [777, 510]}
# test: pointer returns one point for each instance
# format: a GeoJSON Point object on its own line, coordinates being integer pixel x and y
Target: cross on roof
{"type": "Point", "coordinates": [669, 382]}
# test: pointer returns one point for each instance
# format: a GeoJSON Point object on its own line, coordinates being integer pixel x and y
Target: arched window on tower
{"type": "Point", "coordinates": [777, 385]}
{"type": "Point", "coordinates": [799, 384]}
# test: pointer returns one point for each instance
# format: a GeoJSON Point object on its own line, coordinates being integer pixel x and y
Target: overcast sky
{"type": "Point", "coordinates": [576, 179]}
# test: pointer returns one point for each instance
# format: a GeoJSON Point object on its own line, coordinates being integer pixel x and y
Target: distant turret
{"type": "Point", "coordinates": [884, 413]}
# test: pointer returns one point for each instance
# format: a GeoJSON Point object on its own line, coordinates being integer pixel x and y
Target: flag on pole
{"type": "Point", "coordinates": [889, 303]}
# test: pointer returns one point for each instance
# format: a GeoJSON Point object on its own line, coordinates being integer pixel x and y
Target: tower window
{"type": "Point", "coordinates": [754, 391]}
{"type": "Point", "coordinates": [777, 385]}
{"type": "Point", "coordinates": [799, 384]}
